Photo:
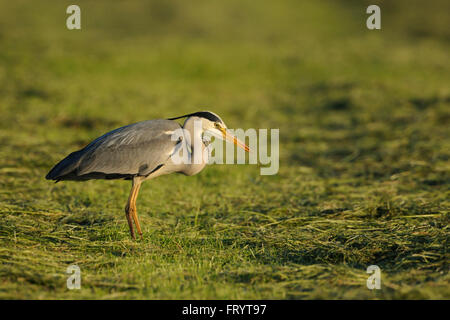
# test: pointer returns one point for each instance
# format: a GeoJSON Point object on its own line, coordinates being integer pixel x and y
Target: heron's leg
{"type": "Point", "coordinates": [137, 185]}
{"type": "Point", "coordinates": [128, 210]}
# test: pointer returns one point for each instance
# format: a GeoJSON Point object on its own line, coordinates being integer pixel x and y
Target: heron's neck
{"type": "Point", "coordinates": [198, 154]}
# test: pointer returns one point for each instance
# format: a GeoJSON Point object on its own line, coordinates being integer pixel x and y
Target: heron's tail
{"type": "Point", "coordinates": [65, 167]}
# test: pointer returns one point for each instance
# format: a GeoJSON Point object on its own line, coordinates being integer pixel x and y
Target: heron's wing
{"type": "Point", "coordinates": [136, 149]}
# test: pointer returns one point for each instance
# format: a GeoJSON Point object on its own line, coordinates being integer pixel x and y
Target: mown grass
{"type": "Point", "coordinates": [364, 164]}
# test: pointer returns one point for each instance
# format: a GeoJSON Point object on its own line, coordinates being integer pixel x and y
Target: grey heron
{"type": "Point", "coordinates": [142, 151]}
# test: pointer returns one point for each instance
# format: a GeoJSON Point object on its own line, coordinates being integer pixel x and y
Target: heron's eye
{"type": "Point", "coordinates": [217, 125]}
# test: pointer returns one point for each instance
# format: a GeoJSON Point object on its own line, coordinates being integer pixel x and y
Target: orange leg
{"type": "Point", "coordinates": [131, 211]}
{"type": "Point", "coordinates": [134, 210]}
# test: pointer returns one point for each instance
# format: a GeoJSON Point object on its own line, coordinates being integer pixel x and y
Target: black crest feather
{"type": "Point", "coordinates": [201, 114]}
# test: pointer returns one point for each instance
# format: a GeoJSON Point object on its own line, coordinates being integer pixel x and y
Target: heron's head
{"type": "Point", "coordinates": [211, 123]}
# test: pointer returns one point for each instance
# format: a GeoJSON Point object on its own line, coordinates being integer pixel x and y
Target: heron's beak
{"type": "Point", "coordinates": [231, 138]}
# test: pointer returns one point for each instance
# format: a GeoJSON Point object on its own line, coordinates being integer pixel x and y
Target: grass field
{"type": "Point", "coordinates": [364, 149]}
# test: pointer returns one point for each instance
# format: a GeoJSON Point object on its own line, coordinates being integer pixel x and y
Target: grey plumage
{"type": "Point", "coordinates": [132, 150]}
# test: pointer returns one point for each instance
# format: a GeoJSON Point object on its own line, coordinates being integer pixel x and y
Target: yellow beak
{"type": "Point", "coordinates": [228, 136]}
